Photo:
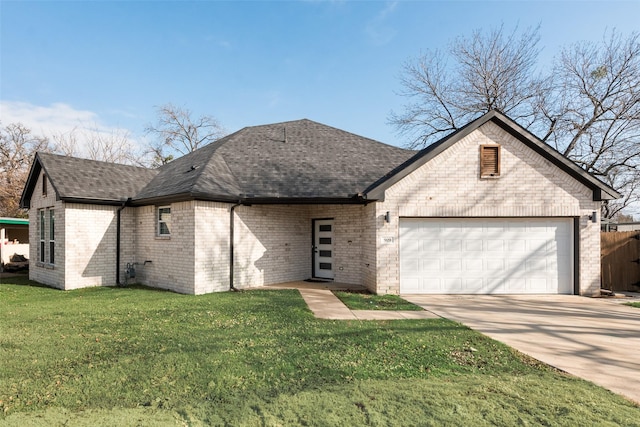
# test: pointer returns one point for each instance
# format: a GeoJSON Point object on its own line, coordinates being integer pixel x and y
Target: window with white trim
{"type": "Point", "coordinates": [52, 236]}
{"type": "Point", "coordinates": [42, 230]}
{"type": "Point", "coordinates": [164, 221]}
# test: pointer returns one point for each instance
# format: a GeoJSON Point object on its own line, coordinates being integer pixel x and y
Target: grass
{"type": "Point", "coordinates": [633, 304]}
{"type": "Point", "coordinates": [112, 356]}
{"type": "Point", "coordinates": [367, 301]}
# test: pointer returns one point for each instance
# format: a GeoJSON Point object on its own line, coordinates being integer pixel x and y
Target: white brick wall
{"type": "Point", "coordinates": [172, 258]}
{"type": "Point", "coordinates": [52, 275]}
{"type": "Point", "coordinates": [450, 186]}
{"type": "Point", "coordinates": [90, 245]}
{"type": "Point", "coordinates": [212, 247]}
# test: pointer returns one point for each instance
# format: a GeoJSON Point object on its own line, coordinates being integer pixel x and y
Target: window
{"type": "Point", "coordinates": [44, 184]}
{"type": "Point", "coordinates": [42, 235]}
{"type": "Point", "coordinates": [52, 238]}
{"type": "Point", "coordinates": [489, 161]}
{"type": "Point", "coordinates": [164, 221]}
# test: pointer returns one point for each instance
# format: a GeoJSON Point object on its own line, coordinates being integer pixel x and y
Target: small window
{"type": "Point", "coordinates": [164, 221]}
{"type": "Point", "coordinates": [489, 161]}
{"type": "Point", "coordinates": [44, 184]}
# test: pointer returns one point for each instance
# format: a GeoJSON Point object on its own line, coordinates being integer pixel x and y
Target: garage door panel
{"type": "Point", "coordinates": [517, 245]}
{"type": "Point", "coordinates": [430, 265]}
{"type": "Point", "coordinates": [472, 245]}
{"type": "Point", "coordinates": [452, 265]}
{"type": "Point", "coordinates": [452, 245]}
{"type": "Point", "coordinates": [494, 245]}
{"type": "Point", "coordinates": [430, 245]}
{"type": "Point", "coordinates": [494, 265]}
{"type": "Point", "coordinates": [533, 255]}
{"type": "Point", "coordinates": [472, 265]}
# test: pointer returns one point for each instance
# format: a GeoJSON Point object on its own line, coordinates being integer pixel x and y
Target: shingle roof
{"type": "Point", "coordinates": [294, 160]}
{"type": "Point", "coordinates": [81, 179]}
{"type": "Point", "coordinates": [298, 161]}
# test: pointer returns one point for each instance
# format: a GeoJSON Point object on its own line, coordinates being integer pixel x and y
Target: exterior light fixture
{"type": "Point", "coordinates": [387, 217]}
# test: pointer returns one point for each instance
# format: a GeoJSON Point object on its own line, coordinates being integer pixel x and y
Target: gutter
{"type": "Point", "coordinates": [119, 211]}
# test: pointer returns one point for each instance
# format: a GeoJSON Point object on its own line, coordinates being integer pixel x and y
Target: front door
{"type": "Point", "coordinates": [323, 248]}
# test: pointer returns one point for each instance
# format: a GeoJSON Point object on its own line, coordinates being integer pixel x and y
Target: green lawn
{"type": "Point", "coordinates": [111, 356]}
{"type": "Point", "coordinates": [367, 301]}
{"type": "Point", "coordinates": [633, 304]}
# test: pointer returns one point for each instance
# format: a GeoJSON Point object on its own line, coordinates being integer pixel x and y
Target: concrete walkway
{"type": "Point", "coordinates": [325, 305]}
{"type": "Point", "coordinates": [592, 338]}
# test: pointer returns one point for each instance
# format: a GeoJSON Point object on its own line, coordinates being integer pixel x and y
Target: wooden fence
{"type": "Point", "coordinates": [620, 260]}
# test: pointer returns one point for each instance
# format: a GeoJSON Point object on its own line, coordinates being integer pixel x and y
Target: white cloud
{"type": "Point", "coordinates": [377, 30]}
{"type": "Point", "coordinates": [62, 119]}
{"type": "Point", "coordinates": [46, 121]}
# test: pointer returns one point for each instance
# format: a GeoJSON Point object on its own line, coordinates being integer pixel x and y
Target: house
{"type": "Point", "coordinates": [488, 209]}
{"type": "Point", "coordinates": [14, 240]}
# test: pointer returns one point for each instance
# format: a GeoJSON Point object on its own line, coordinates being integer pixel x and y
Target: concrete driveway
{"type": "Point", "coordinates": [592, 338]}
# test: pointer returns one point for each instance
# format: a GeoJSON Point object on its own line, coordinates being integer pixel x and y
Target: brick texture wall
{"type": "Point", "coordinates": [52, 275]}
{"type": "Point", "coordinates": [90, 245]}
{"type": "Point", "coordinates": [166, 262]}
{"type": "Point", "coordinates": [450, 186]}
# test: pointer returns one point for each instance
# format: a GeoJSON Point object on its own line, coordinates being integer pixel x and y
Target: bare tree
{"type": "Point", "coordinates": [587, 107]}
{"type": "Point", "coordinates": [176, 132]}
{"type": "Point", "coordinates": [598, 122]}
{"type": "Point", "coordinates": [17, 148]}
{"type": "Point", "coordinates": [489, 71]}
{"type": "Point", "coordinates": [113, 145]}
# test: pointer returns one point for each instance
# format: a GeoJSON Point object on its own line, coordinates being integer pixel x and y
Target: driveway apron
{"type": "Point", "coordinates": [592, 338]}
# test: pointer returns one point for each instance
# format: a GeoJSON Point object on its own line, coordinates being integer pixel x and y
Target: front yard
{"type": "Point", "coordinates": [110, 356]}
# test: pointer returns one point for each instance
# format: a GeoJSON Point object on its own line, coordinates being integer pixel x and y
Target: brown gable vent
{"type": "Point", "coordinates": [489, 161]}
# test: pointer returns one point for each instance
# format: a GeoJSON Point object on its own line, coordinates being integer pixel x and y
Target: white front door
{"type": "Point", "coordinates": [323, 248]}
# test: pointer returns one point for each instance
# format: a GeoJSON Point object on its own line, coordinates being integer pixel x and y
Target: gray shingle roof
{"type": "Point", "coordinates": [294, 160]}
{"type": "Point", "coordinates": [82, 179]}
{"type": "Point", "coordinates": [297, 161]}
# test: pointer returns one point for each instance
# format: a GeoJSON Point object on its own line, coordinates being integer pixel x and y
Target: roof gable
{"type": "Point", "coordinates": [601, 191]}
{"type": "Point", "coordinates": [75, 179]}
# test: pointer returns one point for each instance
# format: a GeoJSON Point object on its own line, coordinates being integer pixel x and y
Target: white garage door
{"type": "Point", "coordinates": [486, 256]}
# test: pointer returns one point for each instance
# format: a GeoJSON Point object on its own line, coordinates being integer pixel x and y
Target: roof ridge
{"type": "Point", "coordinates": [84, 159]}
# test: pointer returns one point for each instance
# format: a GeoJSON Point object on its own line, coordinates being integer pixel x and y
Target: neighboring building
{"type": "Point", "coordinates": [487, 209]}
{"type": "Point", "coordinates": [628, 226]}
{"type": "Point", "coordinates": [14, 239]}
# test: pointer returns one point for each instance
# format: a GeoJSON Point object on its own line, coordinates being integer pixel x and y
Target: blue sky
{"type": "Point", "coordinates": [107, 64]}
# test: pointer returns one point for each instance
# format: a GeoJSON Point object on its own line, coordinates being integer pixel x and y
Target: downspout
{"type": "Point", "coordinates": [120, 209]}
{"type": "Point", "coordinates": [231, 233]}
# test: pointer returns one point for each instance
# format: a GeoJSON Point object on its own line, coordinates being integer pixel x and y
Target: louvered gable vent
{"type": "Point", "coordinates": [489, 161]}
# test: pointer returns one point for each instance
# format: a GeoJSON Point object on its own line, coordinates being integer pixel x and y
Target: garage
{"type": "Point", "coordinates": [486, 255]}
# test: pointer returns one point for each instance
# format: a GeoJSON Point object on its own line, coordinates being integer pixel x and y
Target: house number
{"type": "Point", "coordinates": [386, 240]}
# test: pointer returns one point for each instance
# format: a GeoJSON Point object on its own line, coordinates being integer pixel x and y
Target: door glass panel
{"type": "Point", "coordinates": [325, 227]}
{"type": "Point", "coordinates": [325, 254]}
{"type": "Point", "coordinates": [325, 266]}
{"type": "Point", "coordinates": [325, 240]}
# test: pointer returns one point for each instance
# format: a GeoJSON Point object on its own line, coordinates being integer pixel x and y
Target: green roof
{"type": "Point", "coordinates": [14, 221]}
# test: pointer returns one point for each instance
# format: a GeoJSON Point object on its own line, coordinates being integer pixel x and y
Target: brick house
{"type": "Point", "coordinates": [487, 209]}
